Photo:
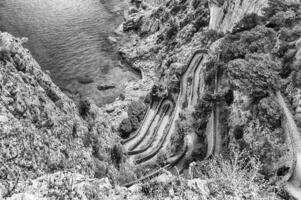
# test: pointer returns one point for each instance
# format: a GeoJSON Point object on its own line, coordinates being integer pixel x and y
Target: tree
{"type": "Point", "coordinates": [137, 109]}
{"type": "Point", "coordinates": [258, 40]}
{"type": "Point", "coordinates": [255, 73]}
{"type": "Point", "coordinates": [125, 128]}
{"type": "Point", "coordinates": [202, 114]}
{"type": "Point", "coordinates": [159, 91]}
{"type": "Point", "coordinates": [248, 22]}
{"type": "Point", "coordinates": [136, 112]}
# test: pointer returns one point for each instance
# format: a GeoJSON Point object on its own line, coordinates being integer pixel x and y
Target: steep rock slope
{"type": "Point", "coordinates": [41, 129]}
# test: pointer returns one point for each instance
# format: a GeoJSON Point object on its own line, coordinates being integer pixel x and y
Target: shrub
{"type": "Point", "coordinates": [159, 91]}
{"type": "Point", "coordinates": [100, 169]}
{"type": "Point", "coordinates": [276, 6]}
{"type": "Point", "coordinates": [147, 99]}
{"type": "Point", "coordinates": [155, 189]}
{"type": "Point", "coordinates": [125, 175]}
{"type": "Point", "coordinates": [137, 109]}
{"type": "Point", "coordinates": [162, 158]}
{"type": "Point", "coordinates": [202, 114]}
{"type": "Point", "coordinates": [136, 112]}
{"type": "Point", "coordinates": [117, 155]}
{"type": "Point", "coordinates": [296, 79]}
{"type": "Point", "coordinates": [5, 55]}
{"type": "Point", "coordinates": [237, 177]}
{"type": "Point", "coordinates": [281, 19]}
{"type": "Point", "coordinates": [248, 22]}
{"type": "Point", "coordinates": [255, 73]}
{"type": "Point", "coordinates": [212, 35]}
{"type": "Point", "coordinates": [84, 107]}
{"type": "Point", "coordinates": [269, 112]}
{"type": "Point", "coordinates": [183, 127]}
{"type": "Point", "coordinates": [258, 40]}
{"type": "Point", "coordinates": [125, 128]}
{"type": "Point", "coordinates": [173, 84]}
{"type": "Point", "coordinates": [122, 96]}
{"type": "Point", "coordinates": [172, 30]}
{"type": "Point", "coordinates": [201, 21]}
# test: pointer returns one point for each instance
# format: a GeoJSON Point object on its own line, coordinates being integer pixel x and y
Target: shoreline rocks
{"type": "Point", "coordinates": [85, 79]}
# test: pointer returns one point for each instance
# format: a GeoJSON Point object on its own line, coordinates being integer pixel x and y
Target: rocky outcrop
{"type": "Point", "coordinates": [224, 14]}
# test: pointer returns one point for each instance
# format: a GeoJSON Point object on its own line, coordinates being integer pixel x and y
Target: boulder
{"type": "Point", "coordinates": [105, 87]}
{"type": "Point", "coordinates": [133, 23]}
{"type": "Point", "coordinates": [85, 79]}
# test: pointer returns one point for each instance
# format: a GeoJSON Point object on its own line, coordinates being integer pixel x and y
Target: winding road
{"type": "Point", "coordinates": [293, 177]}
{"type": "Point", "coordinates": [213, 129]}
{"type": "Point", "coordinates": [159, 124]}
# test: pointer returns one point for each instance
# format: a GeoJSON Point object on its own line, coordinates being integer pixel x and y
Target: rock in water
{"type": "Point", "coordinates": [85, 79]}
{"type": "Point", "coordinates": [105, 87]}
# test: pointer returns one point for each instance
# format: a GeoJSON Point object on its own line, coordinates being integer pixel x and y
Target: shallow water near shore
{"type": "Point", "coordinates": [70, 39]}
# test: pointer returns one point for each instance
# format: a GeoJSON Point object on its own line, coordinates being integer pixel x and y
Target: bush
{"type": "Point", "coordinates": [172, 30]}
{"type": "Point", "coordinates": [276, 6]}
{"type": "Point", "coordinates": [84, 107]}
{"type": "Point", "coordinates": [100, 169]}
{"type": "Point", "coordinates": [125, 128]}
{"type": "Point", "coordinates": [5, 55]}
{"type": "Point", "coordinates": [183, 127]}
{"type": "Point", "coordinates": [159, 91]}
{"type": "Point", "coordinates": [235, 178]}
{"type": "Point", "coordinates": [125, 175]}
{"type": "Point", "coordinates": [258, 40]}
{"type": "Point", "coordinates": [212, 35]}
{"type": "Point", "coordinates": [162, 158]}
{"type": "Point", "coordinates": [255, 73]}
{"type": "Point", "coordinates": [137, 110]}
{"type": "Point", "coordinates": [173, 84]}
{"type": "Point", "coordinates": [117, 155]}
{"type": "Point", "coordinates": [202, 114]}
{"type": "Point", "coordinates": [248, 22]}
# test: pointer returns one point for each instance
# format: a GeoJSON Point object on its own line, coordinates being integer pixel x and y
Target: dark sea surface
{"type": "Point", "coordinates": [70, 39]}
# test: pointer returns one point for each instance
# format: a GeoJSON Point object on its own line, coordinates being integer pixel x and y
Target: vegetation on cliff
{"type": "Point", "coordinates": [257, 58]}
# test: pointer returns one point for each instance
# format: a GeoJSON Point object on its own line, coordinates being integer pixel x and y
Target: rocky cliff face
{"type": "Point", "coordinates": [224, 15]}
{"type": "Point", "coordinates": [41, 129]}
